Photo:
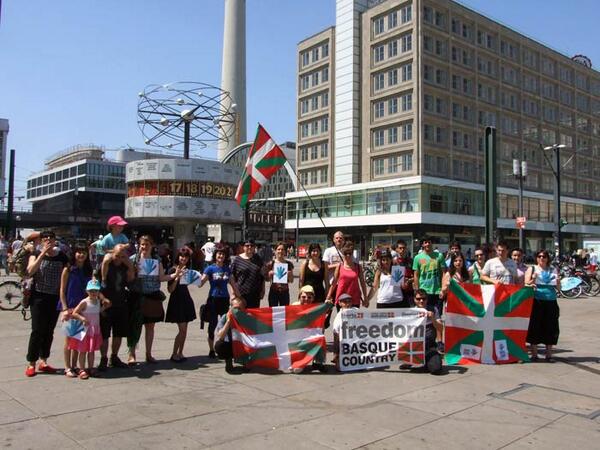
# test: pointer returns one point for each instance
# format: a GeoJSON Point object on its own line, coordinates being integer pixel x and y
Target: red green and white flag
{"type": "Point", "coordinates": [264, 159]}
{"type": "Point", "coordinates": [282, 337]}
{"type": "Point", "coordinates": [486, 323]}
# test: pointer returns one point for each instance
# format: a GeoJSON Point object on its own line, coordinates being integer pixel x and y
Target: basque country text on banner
{"type": "Point", "coordinates": [379, 338]}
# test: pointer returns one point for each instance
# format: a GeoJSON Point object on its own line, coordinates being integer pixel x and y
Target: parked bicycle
{"type": "Point", "coordinates": [11, 298]}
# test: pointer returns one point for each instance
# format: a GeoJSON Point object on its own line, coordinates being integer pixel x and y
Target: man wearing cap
{"type": "Point", "coordinates": [115, 226]}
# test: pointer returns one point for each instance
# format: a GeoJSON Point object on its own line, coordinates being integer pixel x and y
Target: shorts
{"type": "Point", "coordinates": [115, 319]}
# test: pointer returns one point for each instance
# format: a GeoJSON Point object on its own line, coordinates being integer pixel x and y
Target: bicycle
{"type": "Point", "coordinates": [11, 298]}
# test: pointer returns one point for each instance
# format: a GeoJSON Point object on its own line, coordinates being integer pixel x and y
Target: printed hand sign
{"type": "Point", "coordinates": [398, 275]}
{"type": "Point", "coordinates": [190, 277]}
{"type": "Point", "coordinates": [74, 328]}
{"type": "Point", "coordinates": [148, 266]}
{"type": "Point", "coordinates": [280, 272]}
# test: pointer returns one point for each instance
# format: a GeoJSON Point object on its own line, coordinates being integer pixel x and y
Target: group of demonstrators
{"type": "Point", "coordinates": [116, 293]}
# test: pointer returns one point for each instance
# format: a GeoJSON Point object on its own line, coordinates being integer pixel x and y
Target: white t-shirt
{"type": "Point", "coordinates": [505, 272]}
{"type": "Point", "coordinates": [337, 322]}
{"type": "Point", "coordinates": [388, 292]}
{"type": "Point", "coordinates": [332, 255]}
{"type": "Point", "coordinates": [208, 249]}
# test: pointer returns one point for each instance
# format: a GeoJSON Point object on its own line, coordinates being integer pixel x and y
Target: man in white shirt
{"type": "Point", "coordinates": [500, 270]}
{"type": "Point", "coordinates": [332, 256]}
{"type": "Point", "coordinates": [208, 249]}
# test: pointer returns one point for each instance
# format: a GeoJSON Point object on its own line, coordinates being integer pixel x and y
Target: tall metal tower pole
{"type": "Point", "coordinates": [233, 73]}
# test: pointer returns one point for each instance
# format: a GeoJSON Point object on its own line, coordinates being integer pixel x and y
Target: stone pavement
{"type": "Point", "coordinates": [198, 405]}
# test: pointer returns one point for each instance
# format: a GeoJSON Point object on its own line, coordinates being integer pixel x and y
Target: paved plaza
{"type": "Point", "coordinates": [197, 405]}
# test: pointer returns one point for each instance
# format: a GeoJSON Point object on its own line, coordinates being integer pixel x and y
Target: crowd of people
{"type": "Point", "coordinates": [114, 289]}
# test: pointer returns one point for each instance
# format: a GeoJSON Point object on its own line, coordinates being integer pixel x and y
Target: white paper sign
{"type": "Point", "coordinates": [148, 267]}
{"type": "Point", "coordinates": [191, 277]}
{"type": "Point", "coordinates": [398, 273]}
{"type": "Point", "coordinates": [280, 273]}
{"type": "Point", "coordinates": [74, 328]}
{"type": "Point", "coordinates": [470, 351]}
{"type": "Point", "coordinates": [502, 353]}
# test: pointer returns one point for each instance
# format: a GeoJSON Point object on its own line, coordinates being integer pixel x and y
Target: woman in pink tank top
{"type": "Point", "coordinates": [349, 279]}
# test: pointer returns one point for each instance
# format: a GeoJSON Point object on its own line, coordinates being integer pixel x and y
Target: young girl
{"type": "Point", "coordinates": [279, 293]}
{"type": "Point", "coordinates": [181, 308]}
{"type": "Point", "coordinates": [73, 282]}
{"type": "Point", "coordinates": [389, 294]}
{"type": "Point", "coordinates": [88, 312]}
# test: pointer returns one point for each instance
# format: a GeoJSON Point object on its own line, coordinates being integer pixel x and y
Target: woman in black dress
{"type": "Point", "coordinates": [313, 273]}
{"type": "Point", "coordinates": [181, 306]}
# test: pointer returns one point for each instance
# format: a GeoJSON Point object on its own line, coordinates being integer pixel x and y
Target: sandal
{"type": "Point", "coordinates": [70, 373]}
{"type": "Point", "coordinates": [83, 375]}
{"type": "Point", "coordinates": [151, 360]}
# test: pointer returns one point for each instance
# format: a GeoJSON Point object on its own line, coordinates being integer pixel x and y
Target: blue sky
{"type": "Point", "coordinates": [70, 70]}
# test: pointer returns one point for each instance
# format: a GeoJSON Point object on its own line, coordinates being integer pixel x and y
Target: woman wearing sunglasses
{"type": "Point", "coordinates": [543, 324]}
{"type": "Point", "coordinates": [476, 268]}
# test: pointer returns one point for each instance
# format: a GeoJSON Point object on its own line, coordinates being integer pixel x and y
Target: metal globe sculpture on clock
{"type": "Point", "coordinates": [187, 113]}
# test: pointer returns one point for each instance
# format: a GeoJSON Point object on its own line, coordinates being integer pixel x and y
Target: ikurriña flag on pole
{"type": "Point", "coordinates": [281, 337]}
{"type": "Point", "coordinates": [486, 323]}
{"type": "Point", "coordinates": [264, 159]}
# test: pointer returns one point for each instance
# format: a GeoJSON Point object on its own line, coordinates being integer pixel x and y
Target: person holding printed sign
{"type": "Point", "coordinates": [219, 276]}
{"type": "Point", "coordinates": [181, 309]}
{"type": "Point", "coordinates": [349, 279]}
{"type": "Point", "coordinates": [388, 282]}
{"type": "Point", "coordinates": [150, 272]}
{"type": "Point", "coordinates": [543, 324]}
{"type": "Point", "coordinates": [281, 273]}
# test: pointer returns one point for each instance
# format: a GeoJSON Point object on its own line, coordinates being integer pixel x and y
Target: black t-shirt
{"type": "Point", "coordinates": [115, 284]}
{"type": "Point", "coordinates": [47, 278]}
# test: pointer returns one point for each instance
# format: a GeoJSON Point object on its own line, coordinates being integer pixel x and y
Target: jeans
{"type": "Point", "coordinates": [43, 321]}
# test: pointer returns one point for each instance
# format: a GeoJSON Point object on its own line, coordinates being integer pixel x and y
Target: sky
{"type": "Point", "coordinates": [70, 70]}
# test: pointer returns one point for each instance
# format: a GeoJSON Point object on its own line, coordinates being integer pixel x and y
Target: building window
{"type": "Point", "coordinates": [378, 166]}
{"type": "Point", "coordinates": [393, 77]}
{"type": "Point", "coordinates": [393, 164]}
{"type": "Point", "coordinates": [314, 101]}
{"type": "Point", "coordinates": [325, 74]}
{"type": "Point", "coordinates": [304, 106]}
{"type": "Point", "coordinates": [305, 59]}
{"type": "Point", "coordinates": [324, 149]}
{"type": "Point", "coordinates": [304, 154]}
{"type": "Point", "coordinates": [392, 49]}
{"type": "Point", "coordinates": [406, 43]}
{"type": "Point", "coordinates": [406, 162]}
{"type": "Point", "coordinates": [379, 107]}
{"type": "Point", "coordinates": [378, 53]}
{"type": "Point", "coordinates": [314, 152]}
{"type": "Point", "coordinates": [305, 82]}
{"type": "Point", "coordinates": [323, 174]}
{"type": "Point", "coordinates": [378, 138]}
{"type": "Point", "coordinates": [393, 105]}
{"type": "Point", "coordinates": [407, 72]}
{"type": "Point", "coordinates": [378, 26]}
{"type": "Point", "coordinates": [392, 20]}
{"type": "Point", "coordinates": [406, 102]}
{"type": "Point", "coordinates": [406, 14]}
{"type": "Point", "coordinates": [324, 125]}
{"type": "Point", "coordinates": [304, 130]}
{"type": "Point", "coordinates": [407, 132]}
{"type": "Point", "coordinates": [393, 135]}
{"type": "Point", "coordinates": [325, 50]}
{"type": "Point", "coordinates": [379, 81]}
{"type": "Point", "coordinates": [325, 100]}
{"type": "Point", "coordinates": [315, 54]}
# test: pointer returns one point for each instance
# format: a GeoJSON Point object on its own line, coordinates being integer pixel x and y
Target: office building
{"type": "Point", "coordinates": [392, 106]}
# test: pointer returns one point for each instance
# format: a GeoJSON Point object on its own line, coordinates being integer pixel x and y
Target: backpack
{"type": "Point", "coordinates": [22, 260]}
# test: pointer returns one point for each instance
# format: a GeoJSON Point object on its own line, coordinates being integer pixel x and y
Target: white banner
{"type": "Point", "coordinates": [382, 337]}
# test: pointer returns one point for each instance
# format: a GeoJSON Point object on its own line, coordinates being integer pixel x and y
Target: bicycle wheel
{"type": "Point", "coordinates": [572, 293]}
{"type": "Point", "coordinates": [595, 286]}
{"type": "Point", "coordinates": [10, 295]}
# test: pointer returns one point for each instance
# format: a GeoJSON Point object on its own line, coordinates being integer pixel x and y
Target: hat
{"type": "Point", "coordinates": [93, 285]}
{"type": "Point", "coordinates": [249, 241]}
{"type": "Point", "coordinates": [116, 220]}
{"type": "Point", "coordinates": [307, 289]}
{"type": "Point", "coordinates": [345, 297]}
{"type": "Point", "coordinates": [385, 253]}
{"type": "Point", "coordinates": [33, 236]}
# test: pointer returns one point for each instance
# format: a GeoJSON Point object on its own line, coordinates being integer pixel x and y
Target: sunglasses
{"type": "Point", "coordinates": [420, 298]}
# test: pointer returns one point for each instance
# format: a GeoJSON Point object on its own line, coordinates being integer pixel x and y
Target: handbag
{"type": "Point", "coordinates": [204, 315]}
{"type": "Point", "coordinates": [151, 305]}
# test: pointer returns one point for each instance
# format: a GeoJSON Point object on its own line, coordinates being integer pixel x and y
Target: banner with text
{"type": "Point", "coordinates": [379, 338]}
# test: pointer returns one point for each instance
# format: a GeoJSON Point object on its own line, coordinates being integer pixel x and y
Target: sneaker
{"type": "Point", "coordinates": [441, 348]}
{"type": "Point", "coordinates": [30, 371]}
{"type": "Point", "coordinates": [103, 364]}
{"type": "Point", "coordinates": [116, 362]}
{"type": "Point", "coordinates": [46, 368]}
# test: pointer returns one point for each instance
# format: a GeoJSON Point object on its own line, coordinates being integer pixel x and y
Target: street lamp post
{"type": "Point", "coordinates": [557, 219]}
{"type": "Point", "coordinates": [520, 172]}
